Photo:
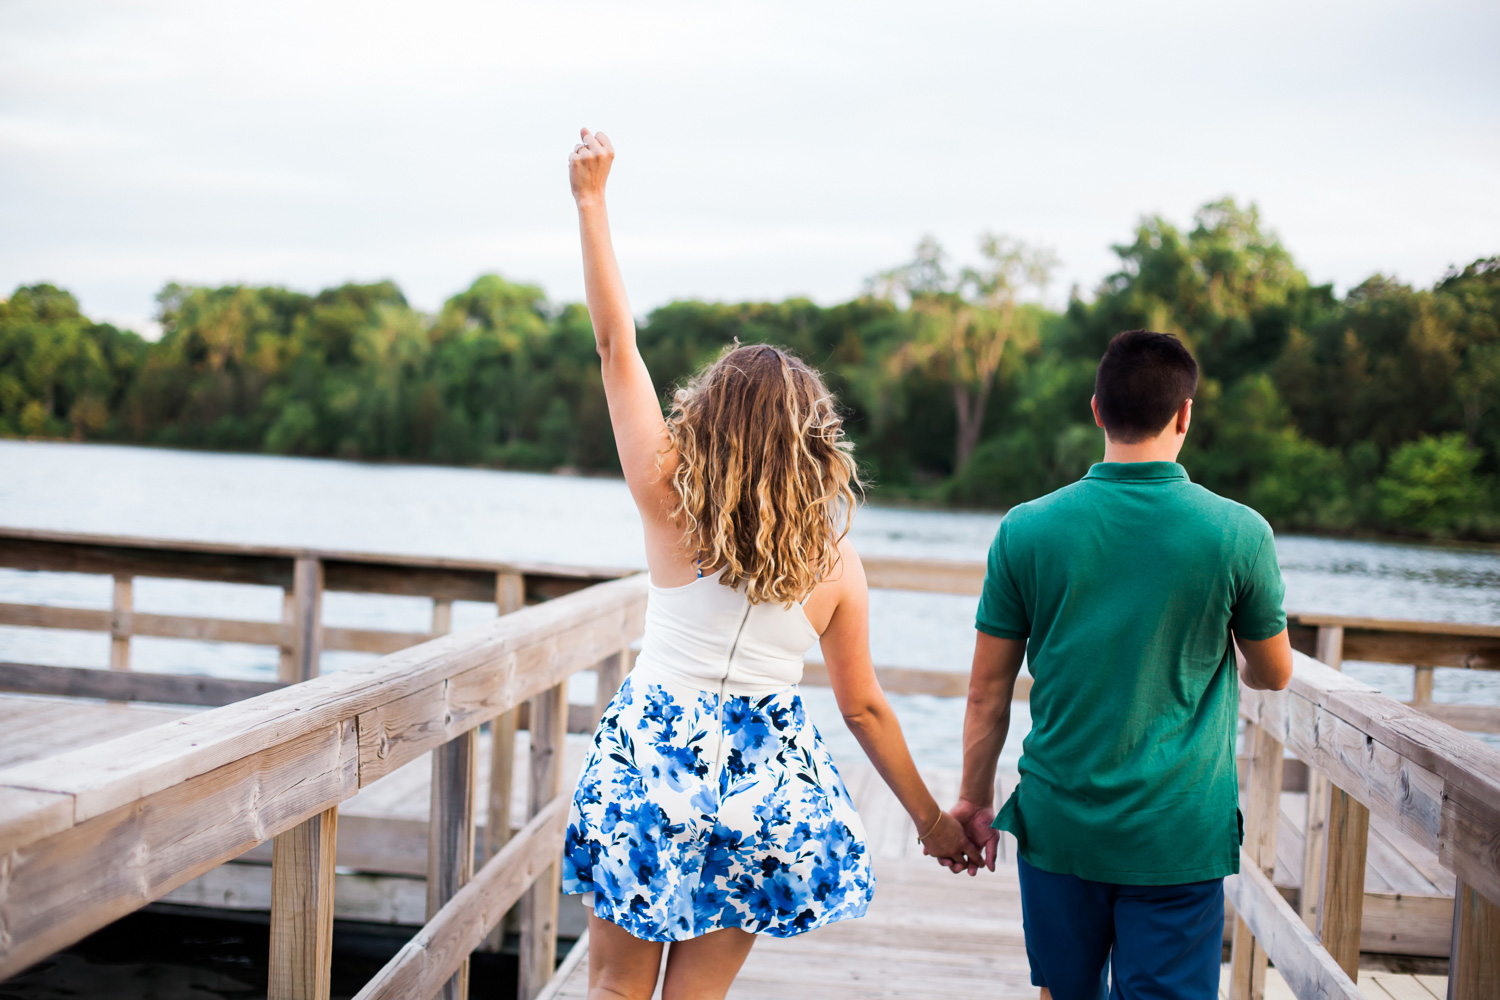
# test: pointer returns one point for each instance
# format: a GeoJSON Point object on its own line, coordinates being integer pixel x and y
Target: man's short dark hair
{"type": "Point", "coordinates": [1143, 380]}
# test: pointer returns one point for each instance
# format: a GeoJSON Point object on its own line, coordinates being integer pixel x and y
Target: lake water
{"type": "Point", "coordinates": [483, 514]}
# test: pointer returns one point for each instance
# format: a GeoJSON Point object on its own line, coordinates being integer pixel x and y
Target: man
{"type": "Point", "coordinates": [1122, 592]}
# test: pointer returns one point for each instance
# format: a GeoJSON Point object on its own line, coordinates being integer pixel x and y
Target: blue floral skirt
{"type": "Point", "coordinates": [696, 812]}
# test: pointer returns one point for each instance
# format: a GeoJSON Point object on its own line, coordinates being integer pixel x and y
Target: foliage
{"type": "Point", "coordinates": [961, 324]}
{"type": "Point", "coordinates": [1379, 410]}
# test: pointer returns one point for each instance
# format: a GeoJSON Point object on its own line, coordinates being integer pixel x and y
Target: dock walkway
{"type": "Point", "coordinates": [928, 933]}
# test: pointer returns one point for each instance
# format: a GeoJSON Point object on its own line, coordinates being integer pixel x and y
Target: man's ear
{"type": "Point", "coordinates": [1184, 416]}
{"type": "Point", "coordinates": [1094, 405]}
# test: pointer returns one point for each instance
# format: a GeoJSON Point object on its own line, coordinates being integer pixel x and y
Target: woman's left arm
{"type": "Point", "coordinates": [869, 716]}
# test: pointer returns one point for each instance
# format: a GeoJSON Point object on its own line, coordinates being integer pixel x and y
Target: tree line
{"type": "Point", "coordinates": [1375, 411]}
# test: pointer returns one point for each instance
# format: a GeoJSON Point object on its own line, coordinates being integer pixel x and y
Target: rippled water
{"type": "Point", "coordinates": [519, 516]}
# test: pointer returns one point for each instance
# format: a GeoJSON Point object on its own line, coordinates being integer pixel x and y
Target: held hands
{"type": "Point", "coordinates": [588, 166]}
{"type": "Point", "coordinates": [952, 846]}
{"type": "Point", "coordinates": [975, 820]}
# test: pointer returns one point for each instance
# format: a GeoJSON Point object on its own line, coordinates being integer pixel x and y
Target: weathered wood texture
{"type": "Point", "coordinates": [302, 910]}
{"type": "Point", "coordinates": [1330, 652]}
{"type": "Point", "coordinates": [135, 817]}
{"type": "Point", "coordinates": [1299, 956]}
{"type": "Point", "coordinates": [450, 837]}
{"type": "Point", "coordinates": [124, 685]}
{"type": "Point", "coordinates": [1342, 896]}
{"type": "Point", "coordinates": [1436, 785]}
{"type": "Point", "coordinates": [1474, 972]}
{"type": "Point", "coordinates": [433, 957]}
{"type": "Point", "coordinates": [538, 915]}
{"type": "Point", "coordinates": [1262, 810]}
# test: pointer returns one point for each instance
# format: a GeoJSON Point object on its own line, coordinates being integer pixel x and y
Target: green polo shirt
{"type": "Point", "coordinates": [1125, 586]}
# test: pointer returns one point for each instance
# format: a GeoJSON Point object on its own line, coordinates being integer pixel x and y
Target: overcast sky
{"type": "Point", "coordinates": [764, 149]}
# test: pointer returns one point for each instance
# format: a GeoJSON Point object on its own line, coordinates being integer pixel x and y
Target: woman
{"type": "Point", "coordinates": [708, 809]}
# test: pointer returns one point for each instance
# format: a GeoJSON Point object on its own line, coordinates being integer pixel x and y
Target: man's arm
{"type": "Point", "coordinates": [1265, 664]}
{"type": "Point", "coordinates": [992, 683]}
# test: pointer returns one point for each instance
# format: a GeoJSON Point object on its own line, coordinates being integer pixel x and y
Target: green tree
{"type": "Point", "coordinates": [962, 323]}
{"type": "Point", "coordinates": [1429, 484]}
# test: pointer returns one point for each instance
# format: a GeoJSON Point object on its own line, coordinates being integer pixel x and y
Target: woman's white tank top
{"type": "Point", "coordinates": [711, 637]}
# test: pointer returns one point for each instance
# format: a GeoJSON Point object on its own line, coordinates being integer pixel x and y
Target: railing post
{"type": "Point", "coordinates": [609, 675]}
{"type": "Point", "coordinates": [510, 595]}
{"type": "Point", "coordinates": [120, 623]}
{"type": "Point", "coordinates": [1421, 693]}
{"type": "Point", "coordinates": [549, 725]}
{"type": "Point", "coordinates": [450, 836]}
{"type": "Point", "coordinates": [442, 616]}
{"type": "Point", "coordinates": [1342, 899]}
{"type": "Point", "coordinates": [1262, 814]}
{"type": "Point", "coordinates": [1330, 650]}
{"type": "Point", "coordinates": [1474, 956]}
{"type": "Point", "coordinates": [304, 613]}
{"type": "Point", "coordinates": [302, 861]}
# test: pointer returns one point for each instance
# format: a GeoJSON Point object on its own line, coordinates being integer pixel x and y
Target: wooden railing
{"type": "Point", "coordinates": [92, 834]}
{"type": "Point", "coordinates": [306, 575]}
{"type": "Point", "coordinates": [1377, 756]}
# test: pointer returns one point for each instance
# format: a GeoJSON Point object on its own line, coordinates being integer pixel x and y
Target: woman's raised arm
{"type": "Point", "coordinates": [634, 410]}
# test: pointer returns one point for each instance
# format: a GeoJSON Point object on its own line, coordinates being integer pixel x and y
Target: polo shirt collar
{"type": "Point", "coordinates": [1138, 472]}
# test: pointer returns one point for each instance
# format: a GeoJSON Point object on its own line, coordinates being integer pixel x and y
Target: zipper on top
{"type": "Point", "coordinates": [723, 684]}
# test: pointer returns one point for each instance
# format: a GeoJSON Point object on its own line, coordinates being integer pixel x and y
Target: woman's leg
{"type": "Point", "coordinates": [621, 965]}
{"type": "Point", "coordinates": [703, 967]}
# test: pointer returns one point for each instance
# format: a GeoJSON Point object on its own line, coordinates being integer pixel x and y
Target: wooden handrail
{"type": "Point", "coordinates": [1381, 758]}
{"type": "Point", "coordinates": [97, 832]}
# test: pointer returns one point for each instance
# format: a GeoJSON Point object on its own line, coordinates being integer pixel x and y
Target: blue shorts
{"type": "Point", "coordinates": [1160, 942]}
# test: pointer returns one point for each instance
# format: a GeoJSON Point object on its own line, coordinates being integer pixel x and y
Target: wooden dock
{"type": "Point", "coordinates": [378, 793]}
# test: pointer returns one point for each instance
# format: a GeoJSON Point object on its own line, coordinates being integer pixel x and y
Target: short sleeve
{"type": "Point", "coordinates": [1002, 608]}
{"type": "Point", "coordinates": [1258, 613]}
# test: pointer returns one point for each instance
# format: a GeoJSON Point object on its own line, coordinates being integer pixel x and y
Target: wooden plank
{"type": "Point", "coordinates": [1469, 718]}
{"type": "Point", "coordinates": [307, 623]}
{"type": "Point", "coordinates": [430, 958]}
{"type": "Point", "coordinates": [1424, 647]}
{"type": "Point", "coordinates": [576, 958]}
{"type": "Point", "coordinates": [932, 575]}
{"type": "Point", "coordinates": [1461, 760]}
{"type": "Point", "coordinates": [497, 828]}
{"type": "Point", "coordinates": [1343, 891]}
{"type": "Point", "coordinates": [301, 964]}
{"type": "Point", "coordinates": [1262, 811]}
{"type": "Point", "coordinates": [27, 815]}
{"type": "Point", "coordinates": [170, 689]}
{"type": "Point", "coordinates": [81, 552]}
{"type": "Point", "coordinates": [238, 886]}
{"type": "Point", "coordinates": [609, 675]}
{"type": "Point", "coordinates": [407, 727]}
{"type": "Point", "coordinates": [1474, 963]}
{"type": "Point", "coordinates": [1469, 845]}
{"type": "Point", "coordinates": [1421, 685]}
{"type": "Point", "coordinates": [57, 889]}
{"type": "Point", "coordinates": [119, 643]}
{"type": "Point", "coordinates": [372, 640]}
{"type": "Point", "coordinates": [1330, 652]}
{"type": "Point", "coordinates": [61, 552]}
{"type": "Point", "coordinates": [510, 592]}
{"type": "Point", "coordinates": [139, 623]}
{"type": "Point", "coordinates": [915, 680]}
{"type": "Point", "coordinates": [1354, 622]}
{"type": "Point", "coordinates": [539, 907]}
{"type": "Point", "coordinates": [1299, 958]}
{"type": "Point", "coordinates": [450, 838]}
{"type": "Point", "coordinates": [108, 775]}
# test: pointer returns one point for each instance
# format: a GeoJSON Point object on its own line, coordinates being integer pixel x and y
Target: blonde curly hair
{"type": "Point", "coordinates": [765, 477]}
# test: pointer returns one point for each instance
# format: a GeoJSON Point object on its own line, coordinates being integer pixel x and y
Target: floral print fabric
{"type": "Point", "coordinates": [697, 811]}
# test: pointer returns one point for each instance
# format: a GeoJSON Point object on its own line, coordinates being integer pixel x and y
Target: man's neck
{"type": "Point", "coordinates": [1157, 449]}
